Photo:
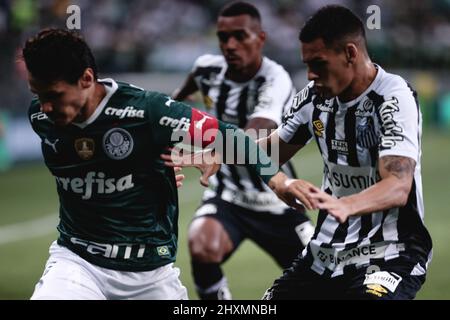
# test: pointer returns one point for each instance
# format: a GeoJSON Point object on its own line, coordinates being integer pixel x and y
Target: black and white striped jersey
{"type": "Point", "coordinates": [352, 136]}
{"type": "Point", "coordinates": [267, 95]}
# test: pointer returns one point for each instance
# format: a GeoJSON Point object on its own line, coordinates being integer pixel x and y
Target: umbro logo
{"type": "Point", "coordinates": [318, 127]}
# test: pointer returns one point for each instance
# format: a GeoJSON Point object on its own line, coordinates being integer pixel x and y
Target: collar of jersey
{"type": "Point", "coordinates": [374, 83]}
{"type": "Point", "coordinates": [110, 87]}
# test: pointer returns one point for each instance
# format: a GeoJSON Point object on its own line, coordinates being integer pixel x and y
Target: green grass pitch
{"type": "Point", "coordinates": [27, 193]}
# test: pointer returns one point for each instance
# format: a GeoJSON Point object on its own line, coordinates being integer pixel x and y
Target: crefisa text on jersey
{"type": "Point", "coordinates": [86, 186]}
{"type": "Point", "coordinates": [127, 112]}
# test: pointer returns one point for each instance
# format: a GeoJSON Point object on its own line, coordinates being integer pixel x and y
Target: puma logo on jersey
{"type": "Point", "coordinates": [199, 124]}
{"type": "Point", "coordinates": [52, 145]}
{"type": "Point", "coordinates": [203, 126]}
{"type": "Point", "coordinates": [169, 101]}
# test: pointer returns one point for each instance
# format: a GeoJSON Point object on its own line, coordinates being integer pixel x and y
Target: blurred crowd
{"type": "Point", "coordinates": [142, 35]}
{"type": "Point", "coordinates": [152, 39]}
{"type": "Point", "coordinates": [167, 35]}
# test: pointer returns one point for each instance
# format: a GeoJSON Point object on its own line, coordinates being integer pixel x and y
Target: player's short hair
{"type": "Point", "coordinates": [57, 54]}
{"type": "Point", "coordinates": [334, 24]}
{"type": "Point", "coordinates": [239, 8]}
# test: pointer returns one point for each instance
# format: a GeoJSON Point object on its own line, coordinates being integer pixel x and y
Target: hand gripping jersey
{"type": "Point", "coordinates": [352, 136]}
{"type": "Point", "coordinates": [118, 202]}
{"type": "Point", "coordinates": [267, 95]}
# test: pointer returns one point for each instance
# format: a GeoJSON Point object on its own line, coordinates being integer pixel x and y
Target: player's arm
{"type": "Point", "coordinates": [397, 174]}
{"type": "Point", "coordinates": [174, 122]}
{"type": "Point", "coordinates": [280, 152]}
{"type": "Point", "coordinates": [287, 189]}
{"type": "Point", "coordinates": [282, 185]}
{"type": "Point", "coordinates": [286, 141]}
{"type": "Point", "coordinates": [285, 150]}
{"type": "Point", "coordinates": [392, 191]}
{"type": "Point", "coordinates": [189, 87]}
{"type": "Point", "coordinates": [163, 113]}
{"type": "Point", "coordinates": [258, 124]}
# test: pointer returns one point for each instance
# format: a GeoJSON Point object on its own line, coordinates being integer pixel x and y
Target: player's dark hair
{"type": "Point", "coordinates": [57, 54]}
{"type": "Point", "coordinates": [334, 24]}
{"type": "Point", "coordinates": [239, 8]}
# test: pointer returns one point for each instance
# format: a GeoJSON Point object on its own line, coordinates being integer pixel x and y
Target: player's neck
{"type": "Point", "coordinates": [245, 74]}
{"type": "Point", "coordinates": [98, 93]}
{"type": "Point", "coordinates": [365, 74]}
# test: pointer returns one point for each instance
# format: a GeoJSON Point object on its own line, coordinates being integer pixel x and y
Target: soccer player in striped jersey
{"type": "Point", "coordinates": [250, 91]}
{"type": "Point", "coordinates": [102, 141]}
{"type": "Point", "coordinates": [370, 240]}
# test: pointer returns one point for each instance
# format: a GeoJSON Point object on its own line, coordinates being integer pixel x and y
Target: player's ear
{"type": "Point", "coordinates": [87, 78]}
{"type": "Point", "coordinates": [351, 52]}
{"type": "Point", "coordinates": [262, 36]}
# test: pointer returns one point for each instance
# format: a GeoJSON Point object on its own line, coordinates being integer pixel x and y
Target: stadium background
{"type": "Point", "coordinates": [153, 44]}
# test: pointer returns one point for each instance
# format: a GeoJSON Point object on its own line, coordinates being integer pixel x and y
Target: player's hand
{"type": "Point", "coordinates": [178, 177]}
{"type": "Point", "coordinates": [294, 192]}
{"type": "Point", "coordinates": [207, 161]}
{"type": "Point", "coordinates": [341, 208]}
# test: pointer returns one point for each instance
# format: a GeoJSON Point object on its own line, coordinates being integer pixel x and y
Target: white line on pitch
{"type": "Point", "coordinates": [28, 229]}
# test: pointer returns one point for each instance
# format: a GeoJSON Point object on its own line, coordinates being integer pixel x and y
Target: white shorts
{"type": "Point", "coordinates": [69, 277]}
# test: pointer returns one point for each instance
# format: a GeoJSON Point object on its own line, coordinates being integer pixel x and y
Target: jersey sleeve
{"type": "Point", "coordinates": [195, 71]}
{"type": "Point", "coordinates": [200, 62]}
{"type": "Point", "coordinates": [273, 96]}
{"type": "Point", "coordinates": [400, 123]}
{"type": "Point", "coordinates": [296, 127]}
{"type": "Point", "coordinates": [173, 122]}
{"type": "Point", "coordinates": [204, 67]}
{"type": "Point", "coordinates": [166, 117]}
{"type": "Point", "coordinates": [36, 116]}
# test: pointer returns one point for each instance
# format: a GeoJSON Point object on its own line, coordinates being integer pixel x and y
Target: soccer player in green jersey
{"type": "Point", "coordinates": [102, 141]}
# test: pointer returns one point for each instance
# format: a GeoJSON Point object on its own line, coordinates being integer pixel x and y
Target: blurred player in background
{"type": "Point", "coordinates": [252, 92]}
{"type": "Point", "coordinates": [102, 141]}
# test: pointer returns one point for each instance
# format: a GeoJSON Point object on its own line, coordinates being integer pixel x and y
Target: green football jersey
{"type": "Point", "coordinates": [118, 202]}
